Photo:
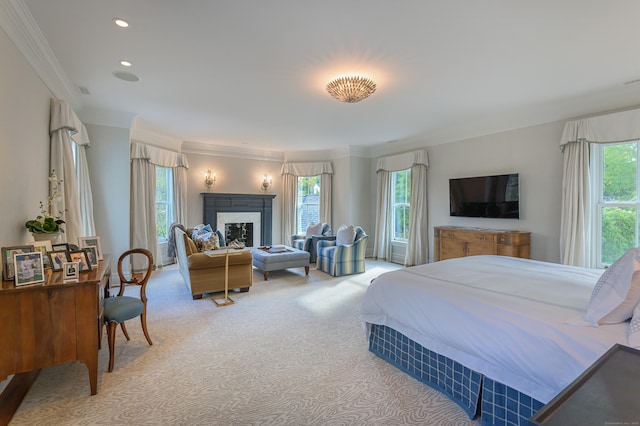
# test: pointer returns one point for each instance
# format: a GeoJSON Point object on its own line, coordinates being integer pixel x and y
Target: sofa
{"type": "Point", "coordinates": [203, 272]}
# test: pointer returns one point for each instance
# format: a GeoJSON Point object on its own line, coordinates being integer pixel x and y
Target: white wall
{"type": "Point", "coordinates": [109, 170]}
{"type": "Point", "coordinates": [534, 153]}
{"type": "Point", "coordinates": [233, 176]}
{"type": "Point", "coordinates": [24, 144]}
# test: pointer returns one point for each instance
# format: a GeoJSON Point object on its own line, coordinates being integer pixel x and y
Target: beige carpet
{"type": "Point", "coordinates": [291, 351]}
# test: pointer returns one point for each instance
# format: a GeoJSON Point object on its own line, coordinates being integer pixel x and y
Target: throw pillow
{"type": "Point", "coordinates": [189, 245]}
{"type": "Point", "coordinates": [206, 241]}
{"type": "Point", "coordinates": [345, 235]}
{"type": "Point", "coordinates": [633, 333]}
{"type": "Point", "coordinates": [617, 292]}
{"type": "Point", "coordinates": [313, 229]}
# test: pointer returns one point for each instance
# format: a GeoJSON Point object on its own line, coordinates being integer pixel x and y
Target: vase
{"type": "Point", "coordinates": [54, 237]}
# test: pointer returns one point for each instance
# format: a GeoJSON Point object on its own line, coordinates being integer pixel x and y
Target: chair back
{"type": "Point", "coordinates": [326, 230]}
{"type": "Point", "coordinates": [140, 263]}
{"type": "Point", "coordinates": [359, 234]}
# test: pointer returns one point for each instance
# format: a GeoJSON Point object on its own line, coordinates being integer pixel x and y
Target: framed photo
{"type": "Point", "coordinates": [29, 268]}
{"type": "Point", "coordinates": [92, 255]}
{"type": "Point", "coordinates": [70, 271]}
{"type": "Point", "coordinates": [60, 246]}
{"type": "Point", "coordinates": [57, 258]}
{"type": "Point", "coordinates": [43, 247]}
{"type": "Point", "coordinates": [80, 256]}
{"type": "Point", "coordinates": [91, 241]}
{"type": "Point", "coordinates": [8, 267]}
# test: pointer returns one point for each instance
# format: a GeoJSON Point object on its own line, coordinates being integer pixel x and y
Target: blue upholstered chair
{"type": "Point", "coordinates": [338, 260]}
{"type": "Point", "coordinates": [121, 308]}
{"type": "Point", "coordinates": [304, 242]}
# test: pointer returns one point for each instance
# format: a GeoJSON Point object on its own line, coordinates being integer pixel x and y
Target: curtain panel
{"type": "Point", "coordinates": [144, 159]}
{"type": "Point", "coordinates": [576, 229]}
{"type": "Point", "coordinates": [66, 128]}
{"type": "Point", "coordinates": [417, 245]}
{"type": "Point", "coordinates": [290, 173]}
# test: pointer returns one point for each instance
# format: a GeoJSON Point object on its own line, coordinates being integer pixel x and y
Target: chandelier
{"type": "Point", "coordinates": [351, 89]}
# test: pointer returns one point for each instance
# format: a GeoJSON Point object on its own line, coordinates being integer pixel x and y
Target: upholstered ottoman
{"type": "Point", "coordinates": [274, 259]}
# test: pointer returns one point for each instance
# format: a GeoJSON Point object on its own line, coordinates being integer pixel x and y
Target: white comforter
{"type": "Point", "coordinates": [500, 316]}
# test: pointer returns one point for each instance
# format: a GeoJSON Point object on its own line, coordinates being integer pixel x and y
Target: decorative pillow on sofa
{"type": "Point", "coordinates": [206, 241]}
{"type": "Point", "coordinates": [345, 235]}
{"type": "Point", "coordinates": [633, 334]}
{"type": "Point", "coordinates": [313, 229]}
{"type": "Point", "coordinates": [617, 292]}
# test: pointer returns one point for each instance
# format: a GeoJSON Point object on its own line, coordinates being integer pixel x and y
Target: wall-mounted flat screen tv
{"type": "Point", "coordinates": [485, 196]}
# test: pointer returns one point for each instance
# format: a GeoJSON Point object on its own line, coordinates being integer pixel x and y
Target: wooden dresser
{"type": "Point", "coordinates": [450, 242]}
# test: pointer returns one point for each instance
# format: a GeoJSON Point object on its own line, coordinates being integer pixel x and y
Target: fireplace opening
{"type": "Point", "coordinates": [243, 232]}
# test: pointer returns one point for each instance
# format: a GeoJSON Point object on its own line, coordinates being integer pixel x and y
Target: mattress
{"type": "Point", "coordinates": [503, 317]}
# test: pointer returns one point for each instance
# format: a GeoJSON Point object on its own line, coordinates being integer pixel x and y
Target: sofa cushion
{"type": "Point", "coordinates": [314, 229]}
{"type": "Point", "coordinates": [206, 241]}
{"type": "Point", "coordinates": [345, 235]}
{"type": "Point", "coordinates": [189, 245]}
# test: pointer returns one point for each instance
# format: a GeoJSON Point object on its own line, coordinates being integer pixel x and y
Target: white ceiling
{"type": "Point", "coordinates": [252, 74]}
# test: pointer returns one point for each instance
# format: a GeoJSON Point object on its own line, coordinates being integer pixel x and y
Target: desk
{"type": "Point", "coordinates": [54, 322]}
{"type": "Point", "coordinates": [606, 393]}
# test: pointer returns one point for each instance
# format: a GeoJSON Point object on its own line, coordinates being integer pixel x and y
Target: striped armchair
{"type": "Point", "coordinates": [302, 242]}
{"type": "Point", "coordinates": [343, 260]}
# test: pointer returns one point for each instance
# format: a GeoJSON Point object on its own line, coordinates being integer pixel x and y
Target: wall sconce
{"type": "Point", "coordinates": [267, 181]}
{"type": "Point", "coordinates": [209, 179]}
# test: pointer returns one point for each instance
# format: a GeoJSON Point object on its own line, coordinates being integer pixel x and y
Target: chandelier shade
{"type": "Point", "coordinates": [351, 89]}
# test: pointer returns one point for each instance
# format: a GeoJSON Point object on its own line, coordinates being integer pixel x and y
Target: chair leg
{"type": "Point", "coordinates": [111, 334]}
{"type": "Point", "coordinates": [124, 330]}
{"type": "Point", "coordinates": [143, 321]}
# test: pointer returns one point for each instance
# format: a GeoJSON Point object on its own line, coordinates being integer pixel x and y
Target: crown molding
{"type": "Point", "coordinates": [16, 20]}
{"type": "Point", "coordinates": [230, 151]}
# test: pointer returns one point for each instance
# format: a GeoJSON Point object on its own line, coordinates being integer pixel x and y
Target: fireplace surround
{"type": "Point", "coordinates": [214, 203]}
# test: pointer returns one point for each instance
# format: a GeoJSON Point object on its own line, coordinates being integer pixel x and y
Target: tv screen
{"type": "Point", "coordinates": [485, 196]}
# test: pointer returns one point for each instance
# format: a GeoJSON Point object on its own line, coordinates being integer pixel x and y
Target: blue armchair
{"type": "Point", "coordinates": [338, 260]}
{"type": "Point", "coordinates": [302, 242]}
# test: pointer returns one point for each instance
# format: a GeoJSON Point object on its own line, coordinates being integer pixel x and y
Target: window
{"type": "Point", "coordinates": [617, 204]}
{"type": "Point", "coordinates": [308, 202]}
{"type": "Point", "coordinates": [400, 201]}
{"type": "Point", "coordinates": [164, 202]}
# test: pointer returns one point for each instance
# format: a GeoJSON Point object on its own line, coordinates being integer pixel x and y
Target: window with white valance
{"type": "Point", "coordinates": [290, 174]}
{"type": "Point", "coordinates": [144, 159]}
{"type": "Point", "coordinates": [581, 143]}
{"type": "Point", "coordinates": [417, 242]}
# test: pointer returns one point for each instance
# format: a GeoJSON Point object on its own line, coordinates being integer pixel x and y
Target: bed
{"type": "Point", "coordinates": [501, 336]}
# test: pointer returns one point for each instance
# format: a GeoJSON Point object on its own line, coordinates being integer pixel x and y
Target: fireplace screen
{"type": "Point", "coordinates": [243, 232]}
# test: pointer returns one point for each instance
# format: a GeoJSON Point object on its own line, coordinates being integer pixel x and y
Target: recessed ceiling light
{"type": "Point", "coordinates": [125, 63]}
{"type": "Point", "coordinates": [121, 23]}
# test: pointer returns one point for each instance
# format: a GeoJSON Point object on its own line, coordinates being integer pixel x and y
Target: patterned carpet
{"type": "Point", "coordinates": [291, 351]}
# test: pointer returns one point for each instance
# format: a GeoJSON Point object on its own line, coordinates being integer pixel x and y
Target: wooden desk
{"type": "Point", "coordinates": [606, 393]}
{"type": "Point", "coordinates": [54, 322]}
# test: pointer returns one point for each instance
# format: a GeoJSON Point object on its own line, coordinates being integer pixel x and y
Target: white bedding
{"type": "Point", "coordinates": [503, 317]}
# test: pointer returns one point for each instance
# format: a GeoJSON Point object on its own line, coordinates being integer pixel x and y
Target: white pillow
{"type": "Point", "coordinates": [617, 292]}
{"type": "Point", "coordinates": [633, 333]}
{"type": "Point", "coordinates": [345, 235]}
{"type": "Point", "coordinates": [313, 229]}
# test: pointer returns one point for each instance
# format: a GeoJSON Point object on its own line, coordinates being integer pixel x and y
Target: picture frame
{"type": "Point", "coordinates": [60, 246]}
{"type": "Point", "coordinates": [80, 256]}
{"type": "Point", "coordinates": [28, 267]}
{"type": "Point", "coordinates": [8, 266]}
{"type": "Point", "coordinates": [92, 255]}
{"type": "Point", "coordinates": [57, 258]}
{"type": "Point", "coordinates": [70, 271]}
{"type": "Point", "coordinates": [91, 241]}
{"type": "Point", "coordinates": [44, 247]}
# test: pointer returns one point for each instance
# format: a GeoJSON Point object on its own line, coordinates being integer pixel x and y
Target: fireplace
{"type": "Point", "coordinates": [243, 208]}
{"type": "Point", "coordinates": [243, 226]}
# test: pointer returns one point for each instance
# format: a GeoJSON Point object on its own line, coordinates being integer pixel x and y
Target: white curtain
{"type": "Point", "coordinates": [577, 201]}
{"type": "Point", "coordinates": [417, 244]}
{"type": "Point", "coordinates": [180, 194]}
{"type": "Point", "coordinates": [289, 193]}
{"type": "Point", "coordinates": [290, 173]}
{"type": "Point", "coordinates": [77, 202]}
{"type": "Point", "coordinates": [325, 198]}
{"type": "Point", "coordinates": [144, 159]}
{"type": "Point", "coordinates": [381, 246]}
